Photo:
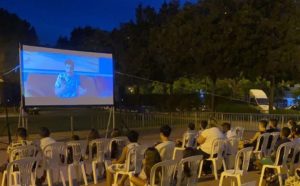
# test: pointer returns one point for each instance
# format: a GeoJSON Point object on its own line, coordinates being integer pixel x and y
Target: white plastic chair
{"type": "Point", "coordinates": [219, 146]}
{"type": "Point", "coordinates": [189, 140]}
{"type": "Point", "coordinates": [77, 155]}
{"type": "Point", "coordinates": [165, 175]}
{"type": "Point", "coordinates": [26, 172]}
{"type": "Point", "coordinates": [121, 142]}
{"type": "Point", "coordinates": [232, 146]}
{"type": "Point", "coordinates": [239, 132]}
{"type": "Point", "coordinates": [275, 136]}
{"type": "Point", "coordinates": [296, 156]}
{"type": "Point", "coordinates": [261, 145]}
{"type": "Point", "coordinates": [242, 161]}
{"type": "Point", "coordinates": [18, 153]}
{"type": "Point", "coordinates": [178, 153]}
{"type": "Point", "coordinates": [166, 152]}
{"type": "Point", "coordinates": [133, 163]}
{"type": "Point", "coordinates": [55, 159]}
{"type": "Point", "coordinates": [278, 166]}
{"type": "Point", "coordinates": [102, 147]}
{"type": "Point", "coordinates": [193, 164]}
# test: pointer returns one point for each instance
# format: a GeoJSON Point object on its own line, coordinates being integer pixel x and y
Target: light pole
{"type": "Point", "coordinates": [4, 100]}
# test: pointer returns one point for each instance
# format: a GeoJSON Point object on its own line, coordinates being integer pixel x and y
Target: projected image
{"type": "Point", "coordinates": [64, 77]}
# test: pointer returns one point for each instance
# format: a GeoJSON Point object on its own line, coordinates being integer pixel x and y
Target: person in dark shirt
{"type": "Point", "coordinates": [273, 126]}
{"type": "Point", "coordinates": [262, 128]}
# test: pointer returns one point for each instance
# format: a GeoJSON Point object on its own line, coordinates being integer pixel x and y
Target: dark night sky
{"type": "Point", "coordinates": [54, 18]}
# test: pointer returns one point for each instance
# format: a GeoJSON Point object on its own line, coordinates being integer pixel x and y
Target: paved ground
{"type": "Point", "coordinates": [147, 137]}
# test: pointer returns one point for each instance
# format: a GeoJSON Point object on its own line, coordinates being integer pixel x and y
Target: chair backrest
{"type": "Point", "coordinates": [219, 148]}
{"type": "Point", "coordinates": [178, 153]}
{"type": "Point", "coordinates": [232, 145]}
{"type": "Point", "coordinates": [189, 139]}
{"type": "Point", "coordinates": [25, 168]}
{"type": "Point", "coordinates": [239, 132]}
{"type": "Point", "coordinates": [166, 151]}
{"type": "Point", "coordinates": [262, 143]}
{"type": "Point", "coordinates": [55, 154]}
{"type": "Point", "coordinates": [242, 159]}
{"type": "Point", "coordinates": [167, 170]}
{"type": "Point", "coordinates": [78, 150]}
{"type": "Point", "coordinates": [283, 153]}
{"type": "Point", "coordinates": [296, 153]}
{"type": "Point", "coordinates": [101, 147]}
{"type": "Point", "coordinates": [274, 136]}
{"type": "Point", "coordinates": [193, 165]}
{"type": "Point", "coordinates": [134, 158]}
{"type": "Point", "coordinates": [120, 142]}
{"type": "Point", "coordinates": [20, 152]}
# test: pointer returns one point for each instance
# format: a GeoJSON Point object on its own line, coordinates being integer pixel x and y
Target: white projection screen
{"type": "Point", "coordinates": [55, 77]}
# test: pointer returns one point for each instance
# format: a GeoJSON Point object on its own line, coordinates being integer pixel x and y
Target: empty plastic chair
{"type": "Point", "coordinates": [239, 132]}
{"type": "Point", "coordinates": [232, 146]}
{"type": "Point", "coordinates": [241, 166]}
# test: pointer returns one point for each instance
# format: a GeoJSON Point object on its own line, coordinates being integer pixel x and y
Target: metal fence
{"type": "Point", "coordinates": [99, 120]}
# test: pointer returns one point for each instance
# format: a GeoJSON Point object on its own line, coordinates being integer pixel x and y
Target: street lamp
{"type": "Point", "coordinates": [6, 112]}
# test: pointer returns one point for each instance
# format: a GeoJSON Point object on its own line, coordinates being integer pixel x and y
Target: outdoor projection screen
{"type": "Point", "coordinates": [55, 77]}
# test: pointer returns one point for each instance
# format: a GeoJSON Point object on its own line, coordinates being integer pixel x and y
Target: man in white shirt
{"type": "Point", "coordinates": [206, 140]}
{"type": "Point", "coordinates": [45, 138]}
{"type": "Point", "coordinates": [228, 132]}
{"type": "Point", "coordinates": [166, 147]}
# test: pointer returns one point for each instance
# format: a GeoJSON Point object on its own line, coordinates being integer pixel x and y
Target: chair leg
{"type": "Point", "coordinates": [62, 177]}
{"type": "Point", "coordinates": [239, 182]}
{"type": "Point", "coordinates": [94, 167]}
{"type": "Point", "coordinates": [200, 168]}
{"type": "Point", "coordinates": [221, 179]}
{"type": "Point", "coordinates": [3, 178]}
{"type": "Point", "coordinates": [49, 179]}
{"type": "Point", "coordinates": [280, 176]}
{"type": "Point", "coordinates": [70, 175]}
{"type": "Point", "coordinates": [16, 180]}
{"type": "Point", "coordinates": [83, 174]}
{"type": "Point", "coordinates": [262, 176]}
{"type": "Point", "coordinates": [215, 169]}
{"type": "Point", "coordinates": [224, 165]}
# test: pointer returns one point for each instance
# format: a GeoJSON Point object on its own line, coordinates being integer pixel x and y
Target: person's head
{"type": "Point", "coordinates": [273, 123]}
{"type": "Point", "coordinates": [69, 67]}
{"type": "Point", "coordinates": [285, 132]}
{"type": "Point", "coordinates": [75, 137]}
{"type": "Point", "coordinates": [291, 123]}
{"type": "Point", "coordinates": [93, 134]}
{"type": "Point", "coordinates": [115, 133]}
{"type": "Point", "coordinates": [226, 127]}
{"type": "Point", "coordinates": [262, 125]}
{"type": "Point", "coordinates": [152, 157]}
{"type": "Point", "coordinates": [165, 131]}
{"type": "Point", "coordinates": [191, 126]}
{"type": "Point", "coordinates": [133, 136]}
{"type": "Point", "coordinates": [203, 124]}
{"type": "Point", "coordinates": [21, 134]}
{"type": "Point", "coordinates": [44, 132]}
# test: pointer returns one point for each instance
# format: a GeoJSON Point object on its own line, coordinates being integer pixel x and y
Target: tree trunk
{"type": "Point", "coordinates": [213, 87]}
{"type": "Point", "coordinates": [271, 97]}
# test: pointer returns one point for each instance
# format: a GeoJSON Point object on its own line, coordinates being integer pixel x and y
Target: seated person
{"type": "Point", "coordinates": [189, 135]}
{"type": "Point", "coordinates": [226, 129]}
{"type": "Point", "coordinates": [166, 146]}
{"type": "Point", "coordinates": [262, 127]}
{"type": "Point", "coordinates": [45, 138]}
{"type": "Point", "coordinates": [114, 146]}
{"type": "Point", "coordinates": [152, 157]}
{"type": "Point", "coordinates": [285, 132]}
{"type": "Point", "coordinates": [203, 125]}
{"type": "Point", "coordinates": [291, 123]}
{"type": "Point", "coordinates": [294, 130]}
{"type": "Point", "coordinates": [273, 126]}
{"type": "Point", "coordinates": [133, 137]}
{"type": "Point", "coordinates": [93, 134]}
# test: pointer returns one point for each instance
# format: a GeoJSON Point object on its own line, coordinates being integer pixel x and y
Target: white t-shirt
{"type": "Point", "coordinates": [210, 135]}
{"type": "Point", "coordinates": [46, 141]}
{"type": "Point", "coordinates": [166, 150]}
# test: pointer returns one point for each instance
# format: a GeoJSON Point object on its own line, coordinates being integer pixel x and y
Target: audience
{"type": "Point", "coordinates": [114, 146]}
{"type": "Point", "coordinates": [45, 138]}
{"type": "Point", "coordinates": [228, 132]}
{"type": "Point", "coordinates": [165, 146]}
{"type": "Point", "coordinates": [262, 128]}
{"type": "Point", "coordinates": [273, 126]}
{"type": "Point", "coordinates": [189, 137]}
{"type": "Point", "coordinates": [291, 123]}
{"type": "Point", "coordinates": [152, 157]}
{"type": "Point", "coordinates": [296, 138]}
{"type": "Point", "coordinates": [203, 125]}
{"type": "Point", "coordinates": [133, 137]}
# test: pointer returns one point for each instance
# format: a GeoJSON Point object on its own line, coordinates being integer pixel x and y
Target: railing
{"type": "Point", "coordinates": [99, 120]}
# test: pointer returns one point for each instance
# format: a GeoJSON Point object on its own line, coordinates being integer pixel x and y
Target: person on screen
{"type": "Point", "coordinates": [67, 84]}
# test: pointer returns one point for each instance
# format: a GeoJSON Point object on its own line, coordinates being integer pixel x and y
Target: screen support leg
{"type": "Point", "coordinates": [108, 122]}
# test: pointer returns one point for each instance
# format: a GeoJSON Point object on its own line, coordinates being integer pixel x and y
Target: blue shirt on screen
{"type": "Point", "coordinates": [70, 84]}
